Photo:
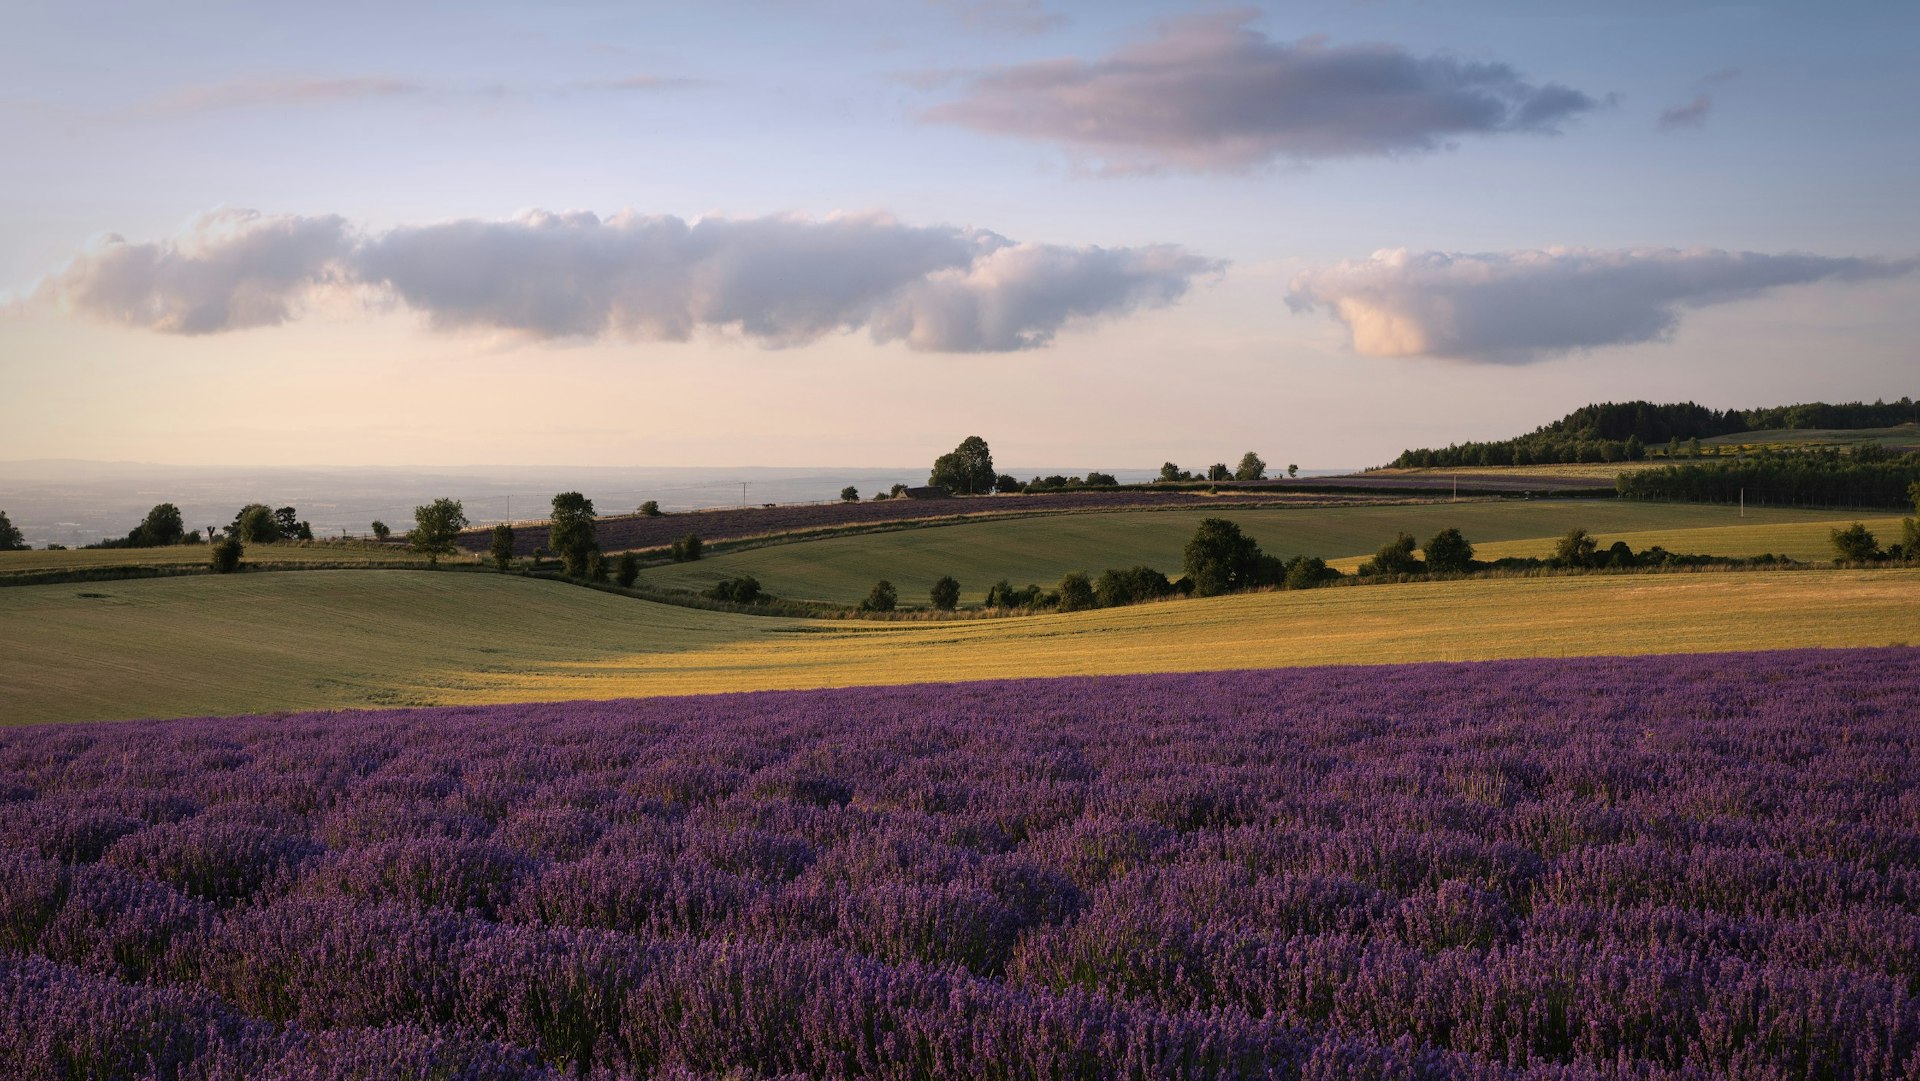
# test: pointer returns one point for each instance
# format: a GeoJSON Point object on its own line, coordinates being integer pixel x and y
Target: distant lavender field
{"type": "Point", "coordinates": [1648, 867]}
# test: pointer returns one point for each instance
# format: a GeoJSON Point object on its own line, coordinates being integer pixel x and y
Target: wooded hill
{"type": "Point", "coordinates": [1630, 431]}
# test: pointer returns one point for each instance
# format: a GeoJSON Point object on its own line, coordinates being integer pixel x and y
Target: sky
{"type": "Point", "coordinates": [801, 233]}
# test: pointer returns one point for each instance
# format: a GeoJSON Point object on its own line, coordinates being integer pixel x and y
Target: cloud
{"type": "Point", "coordinates": [1211, 94]}
{"type": "Point", "coordinates": [1691, 115]}
{"type": "Point", "coordinates": [245, 94]}
{"type": "Point", "coordinates": [779, 281]}
{"type": "Point", "coordinates": [1524, 306]}
{"type": "Point", "coordinates": [233, 269]}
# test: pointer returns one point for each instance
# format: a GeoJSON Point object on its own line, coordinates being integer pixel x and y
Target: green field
{"type": "Point", "coordinates": [1900, 437]}
{"type": "Point", "coordinates": [330, 639]}
{"type": "Point", "coordinates": [197, 555]}
{"type": "Point", "coordinates": [843, 569]}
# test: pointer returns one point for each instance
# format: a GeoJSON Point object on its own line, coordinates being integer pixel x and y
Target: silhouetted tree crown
{"type": "Point", "coordinates": [967, 469]}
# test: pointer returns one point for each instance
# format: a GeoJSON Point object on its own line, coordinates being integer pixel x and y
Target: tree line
{"type": "Point", "coordinates": [1632, 431]}
{"type": "Point", "coordinates": [1871, 476]}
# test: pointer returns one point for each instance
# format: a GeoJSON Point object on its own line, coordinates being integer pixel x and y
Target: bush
{"type": "Point", "coordinates": [1076, 592]}
{"type": "Point", "coordinates": [501, 550]}
{"type": "Point", "coordinates": [1449, 552]}
{"type": "Point", "coordinates": [1005, 484]}
{"type": "Point", "coordinates": [881, 599]}
{"type": "Point", "coordinates": [597, 565]}
{"type": "Point", "coordinates": [1220, 558]}
{"type": "Point", "coordinates": [650, 509]}
{"type": "Point", "coordinates": [1576, 549]}
{"type": "Point", "coordinates": [1854, 544]}
{"type": "Point", "coordinates": [849, 494]}
{"type": "Point", "coordinates": [1306, 572]}
{"type": "Point", "coordinates": [381, 530]}
{"type": "Point", "coordinates": [687, 548]}
{"type": "Point", "coordinates": [629, 570]}
{"type": "Point", "coordinates": [1140, 583]}
{"type": "Point", "coordinates": [1101, 480]}
{"type": "Point", "coordinates": [226, 555]}
{"type": "Point", "coordinates": [742, 590]}
{"type": "Point", "coordinates": [946, 594]}
{"type": "Point", "coordinates": [1395, 557]}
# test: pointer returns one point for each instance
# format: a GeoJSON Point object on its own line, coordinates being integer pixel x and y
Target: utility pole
{"type": "Point", "coordinates": [1743, 502]}
{"type": "Point", "coordinates": [743, 493]}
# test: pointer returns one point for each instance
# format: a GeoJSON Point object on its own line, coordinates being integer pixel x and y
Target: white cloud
{"type": "Point", "coordinates": [779, 281]}
{"type": "Point", "coordinates": [1523, 306]}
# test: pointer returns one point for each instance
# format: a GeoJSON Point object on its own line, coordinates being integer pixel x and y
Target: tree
{"type": "Point", "coordinates": [946, 594]}
{"type": "Point", "coordinates": [226, 555]}
{"type": "Point", "coordinates": [434, 528]}
{"type": "Point", "coordinates": [163, 526]}
{"type": "Point", "coordinates": [1141, 583]}
{"type": "Point", "coordinates": [1076, 592]}
{"type": "Point", "coordinates": [1576, 549]}
{"type": "Point", "coordinates": [381, 530]}
{"type": "Point", "coordinates": [570, 532]}
{"type": "Point", "coordinates": [1001, 595]}
{"type": "Point", "coordinates": [1219, 471]}
{"type": "Point", "coordinates": [502, 548]}
{"type": "Point", "coordinates": [1220, 558]}
{"type": "Point", "coordinates": [1096, 479]}
{"type": "Point", "coordinates": [1448, 552]}
{"type": "Point", "coordinates": [1854, 544]}
{"type": "Point", "coordinates": [597, 565]}
{"type": "Point", "coordinates": [1250, 468]}
{"type": "Point", "coordinates": [1305, 572]}
{"type": "Point", "coordinates": [1170, 472]}
{"type": "Point", "coordinates": [967, 470]}
{"type": "Point", "coordinates": [849, 494]}
{"type": "Point", "coordinates": [1292, 470]}
{"type": "Point", "coordinates": [629, 570]}
{"type": "Point", "coordinates": [881, 599]}
{"type": "Point", "coordinates": [11, 539]}
{"type": "Point", "coordinates": [650, 509]}
{"type": "Point", "coordinates": [1005, 484]}
{"type": "Point", "coordinates": [1394, 557]}
{"type": "Point", "coordinates": [687, 548]}
{"type": "Point", "coordinates": [255, 524]}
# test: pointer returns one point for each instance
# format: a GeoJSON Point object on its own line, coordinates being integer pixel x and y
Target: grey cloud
{"type": "Point", "coordinates": [1520, 307]}
{"type": "Point", "coordinates": [1691, 115]}
{"type": "Point", "coordinates": [779, 281]}
{"type": "Point", "coordinates": [1210, 93]}
{"type": "Point", "coordinates": [231, 270]}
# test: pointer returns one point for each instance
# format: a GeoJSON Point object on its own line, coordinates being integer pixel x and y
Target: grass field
{"type": "Point", "coordinates": [843, 569]}
{"type": "Point", "coordinates": [196, 555]}
{"type": "Point", "coordinates": [1900, 437]}
{"type": "Point", "coordinates": [269, 642]}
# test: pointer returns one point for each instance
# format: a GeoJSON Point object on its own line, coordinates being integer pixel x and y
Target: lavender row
{"type": "Point", "coordinates": [1611, 867]}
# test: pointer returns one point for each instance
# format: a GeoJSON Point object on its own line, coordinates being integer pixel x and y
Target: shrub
{"type": "Point", "coordinates": [597, 565]}
{"type": "Point", "coordinates": [1076, 592]}
{"type": "Point", "coordinates": [1449, 552]}
{"type": "Point", "coordinates": [946, 594]}
{"type": "Point", "coordinates": [1576, 549]}
{"type": "Point", "coordinates": [1140, 583]}
{"type": "Point", "coordinates": [501, 550]}
{"type": "Point", "coordinates": [381, 530]}
{"type": "Point", "coordinates": [650, 509]}
{"type": "Point", "coordinates": [1220, 558]}
{"type": "Point", "coordinates": [881, 599]}
{"type": "Point", "coordinates": [1854, 544]}
{"type": "Point", "coordinates": [849, 494]}
{"type": "Point", "coordinates": [629, 570]}
{"type": "Point", "coordinates": [686, 549]}
{"type": "Point", "coordinates": [1305, 572]}
{"type": "Point", "coordinates": [742, 590]}
{"type": "Point", "coordinates": [1394, 557]}
{"type": "Point", "coordinates": [226, 555]}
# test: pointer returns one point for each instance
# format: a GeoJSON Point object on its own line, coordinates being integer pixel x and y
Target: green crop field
{"type": "Point", "coordinates": [330, 639]}
{"type": "Point", "coordinates": [1900, 437]}
{"type": "Point", "coordinates": [197, 555]}
{"type": "Point", "coordinates": [843, 569]}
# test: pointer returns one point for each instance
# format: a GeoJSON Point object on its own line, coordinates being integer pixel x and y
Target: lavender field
{"type": "Point", "coordinates": [1649, 867]}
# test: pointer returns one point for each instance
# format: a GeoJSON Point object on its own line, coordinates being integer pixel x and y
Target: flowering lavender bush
{"type": "Point", "coordinates": [1670, 867]}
